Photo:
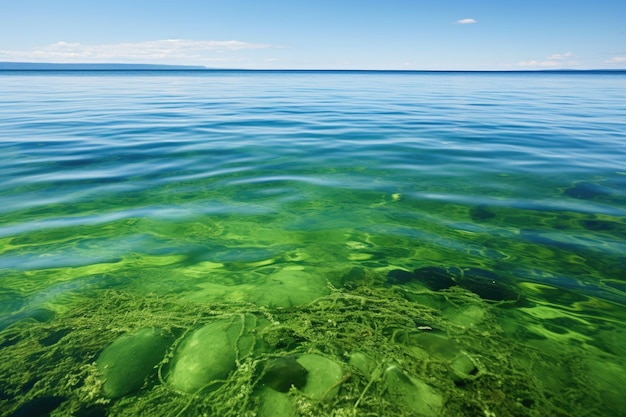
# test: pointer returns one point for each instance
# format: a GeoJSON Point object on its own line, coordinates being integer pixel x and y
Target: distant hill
{"type": "Point", "coordinates": [37, 66]}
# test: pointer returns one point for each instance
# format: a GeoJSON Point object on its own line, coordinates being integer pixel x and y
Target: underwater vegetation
{"type": "Point", "coordinates": [280, 244]}
{"type": "Point", "coordinates": [434, 341]}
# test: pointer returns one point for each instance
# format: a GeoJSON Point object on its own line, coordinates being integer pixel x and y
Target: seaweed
{"type": "Point", "coordinates": [396, 332]}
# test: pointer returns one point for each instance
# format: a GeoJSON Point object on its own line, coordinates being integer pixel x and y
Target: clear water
{"type": "Point", "coordinates": [275, 189]}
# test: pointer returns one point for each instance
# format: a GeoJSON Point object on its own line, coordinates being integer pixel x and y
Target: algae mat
{"type": "Point", "coordinates": [395, 350]}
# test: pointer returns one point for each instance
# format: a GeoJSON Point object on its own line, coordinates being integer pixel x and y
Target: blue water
{"type": "Point", "coordinates": [214, 186]}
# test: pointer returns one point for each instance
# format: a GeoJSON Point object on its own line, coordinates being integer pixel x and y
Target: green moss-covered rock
{"type": "Point", "coordinates": [129, 360]}
{"type": "Point", "coordinates": [275, 404]}
{"type": "Point", "coordinates": [363, 363]}
{"type": "Point", "coordinates": [287, 288]}
{"type": "Point", "coordinates": [413, 394]}
{"type": "Point", "coordinates": [437, 345]}
{"type": "Point", "coordinates": [283, 373]}
{"type": "Point", "coordinates": [210, 353]}
{"type": "Point", "coordinates": [324, 376]}
{"type": "Point", "coordinates": [469, 315]}
{"type": "Point", "coordinates": [463, 368]}
{"type": "Point", "coordinates": [486, 284]}
{"type": "Point", "coordinates": [434, 277]}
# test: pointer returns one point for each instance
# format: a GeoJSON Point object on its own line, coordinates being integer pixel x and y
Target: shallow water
{"type": "Point", "coordinates": [274, 190]}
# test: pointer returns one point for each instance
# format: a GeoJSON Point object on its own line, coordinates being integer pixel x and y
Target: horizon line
{"type": "Point", "coordinates": [110, 66]}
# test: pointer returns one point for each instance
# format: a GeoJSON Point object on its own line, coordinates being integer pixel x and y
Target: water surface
{"type": "Point", "coordinates": [493, 204]}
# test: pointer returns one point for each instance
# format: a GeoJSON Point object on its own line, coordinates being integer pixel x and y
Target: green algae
{"type": "Point", "coordinates": [452, 321]}
{"type": "Point", "coordinates": [463, 366]}
{"type": "Point", "coordinates": [326, 285]}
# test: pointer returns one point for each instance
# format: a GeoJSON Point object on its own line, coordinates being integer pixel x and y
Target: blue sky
{"type": "Point", "coordinates": [319, 34]}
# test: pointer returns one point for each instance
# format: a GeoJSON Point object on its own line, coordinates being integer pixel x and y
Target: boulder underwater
{"type": "Point", "coordinates": [355, 277]}
{"type": "Point", "coordinates": [481, 213]}
{"type": "Point", "coordinates": [283, 373]}
{"type": "Point", "coordinates": [315, 376]}
{"type": "Point", "coordinates": [584, 190]}
{"type": "Point", "coordinates": [464, 368]}
{"type": "Point", "coordinates": [287, 288]}
{"type": "Point", "coordinates": [210, 353]}
{"type": "Point", "coordinates": [276, 404]}
{"type": "Point", "coordinates": [438, 345]}
{"type": "Point", "coordinates": [363, 362]}
{"type": "Point", "coordinates": [435, 278]}
{"type": "Point", "coordinates": [399, 276]}
{"type": "Point", "coordinates": [415, 395]}
{"type": "Point", "coordinates": [484, 283]}
{"type": "Point", "coordinates": [130, 359]}
{"type": "Point", "coordinates": [324, 376]}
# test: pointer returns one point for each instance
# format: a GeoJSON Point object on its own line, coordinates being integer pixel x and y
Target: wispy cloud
{"type": "Point", "coordinates": [465, 21]}
{"type": "Point", "coordinates": [159, 51]}
{"type": "Point", "coordinates": [616, 60]}
{"type": "Point", "coordinates": [566, 55]}
{"type": "Point", "coordinates": [535, 63]}
{"type": "Point", "coordinates": [552, 61]}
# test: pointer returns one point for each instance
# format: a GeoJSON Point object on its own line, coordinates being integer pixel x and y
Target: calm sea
{"type": "Point", "coordinates": [459, 237]}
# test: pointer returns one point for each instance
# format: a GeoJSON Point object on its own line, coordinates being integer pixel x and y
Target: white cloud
{"type": "Point", "coordinates": [180, 51]}
{"type": "Point", "coordinates": [535, 63]}
{"type": "Point", "coordinates": [556, 60]}
{"type": "Point", "coordinates": [616, 60]}
{"type": "Point", "coordinates": [566, 55]}
{"type": "Point", "coordinates": [465, 21]}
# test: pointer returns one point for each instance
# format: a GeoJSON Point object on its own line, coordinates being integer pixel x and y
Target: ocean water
{"type": "Point", "coordinates": [422, 243]}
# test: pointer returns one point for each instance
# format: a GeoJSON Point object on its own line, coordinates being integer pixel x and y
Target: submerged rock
{"type": "Point", "coordinates": [210, 353]}
{"type": "Point", "coordinates": [486, 284]}
{"type": "Point", "coordinates": [354, 278]}
{"type": "Point", "coordinates": [481, 213]}
{"type": "Point", "coordinates": [482, 282]}
{"type": "Point", "coordinates": [324, 376]}
{"type": "Point", "coordinates": [130, 359]}
{"type": "Point", "coordinates": [287, 288]}
{"type": "Point", "coordinates": [437, 345]}
{"type": "Point", "coordinates": [463, 368]}
{"type": "Point", "coordinates": [363, 363]}
{"type": "Point", "coordinates": [283, 373]}
{"type": "Point", "coordinates": [399, 276]}
{"type": "Point", "coordinates": [413, 394]}
{"type": "Point", "coordinates": [600, 225]}
{"type": "Point", "coordinates": [586, 190]}
{"type": "Point", "coordinates": [276, 404]}
{"type": "Point", "coordinates": [434, 277]}
{"type": "Point", "coordinates": [467, 315]}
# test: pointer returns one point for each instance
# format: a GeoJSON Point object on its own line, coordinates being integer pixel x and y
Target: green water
{"type": "Point", "coordinates": [424, 244]}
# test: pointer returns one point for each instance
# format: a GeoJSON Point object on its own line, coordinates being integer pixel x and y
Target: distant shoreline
{"type": "Point", "coordinates": [52, 67]}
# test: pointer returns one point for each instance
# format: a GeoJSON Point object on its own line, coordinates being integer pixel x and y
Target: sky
{"type": "Point", "coordinates": [319, 34]}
